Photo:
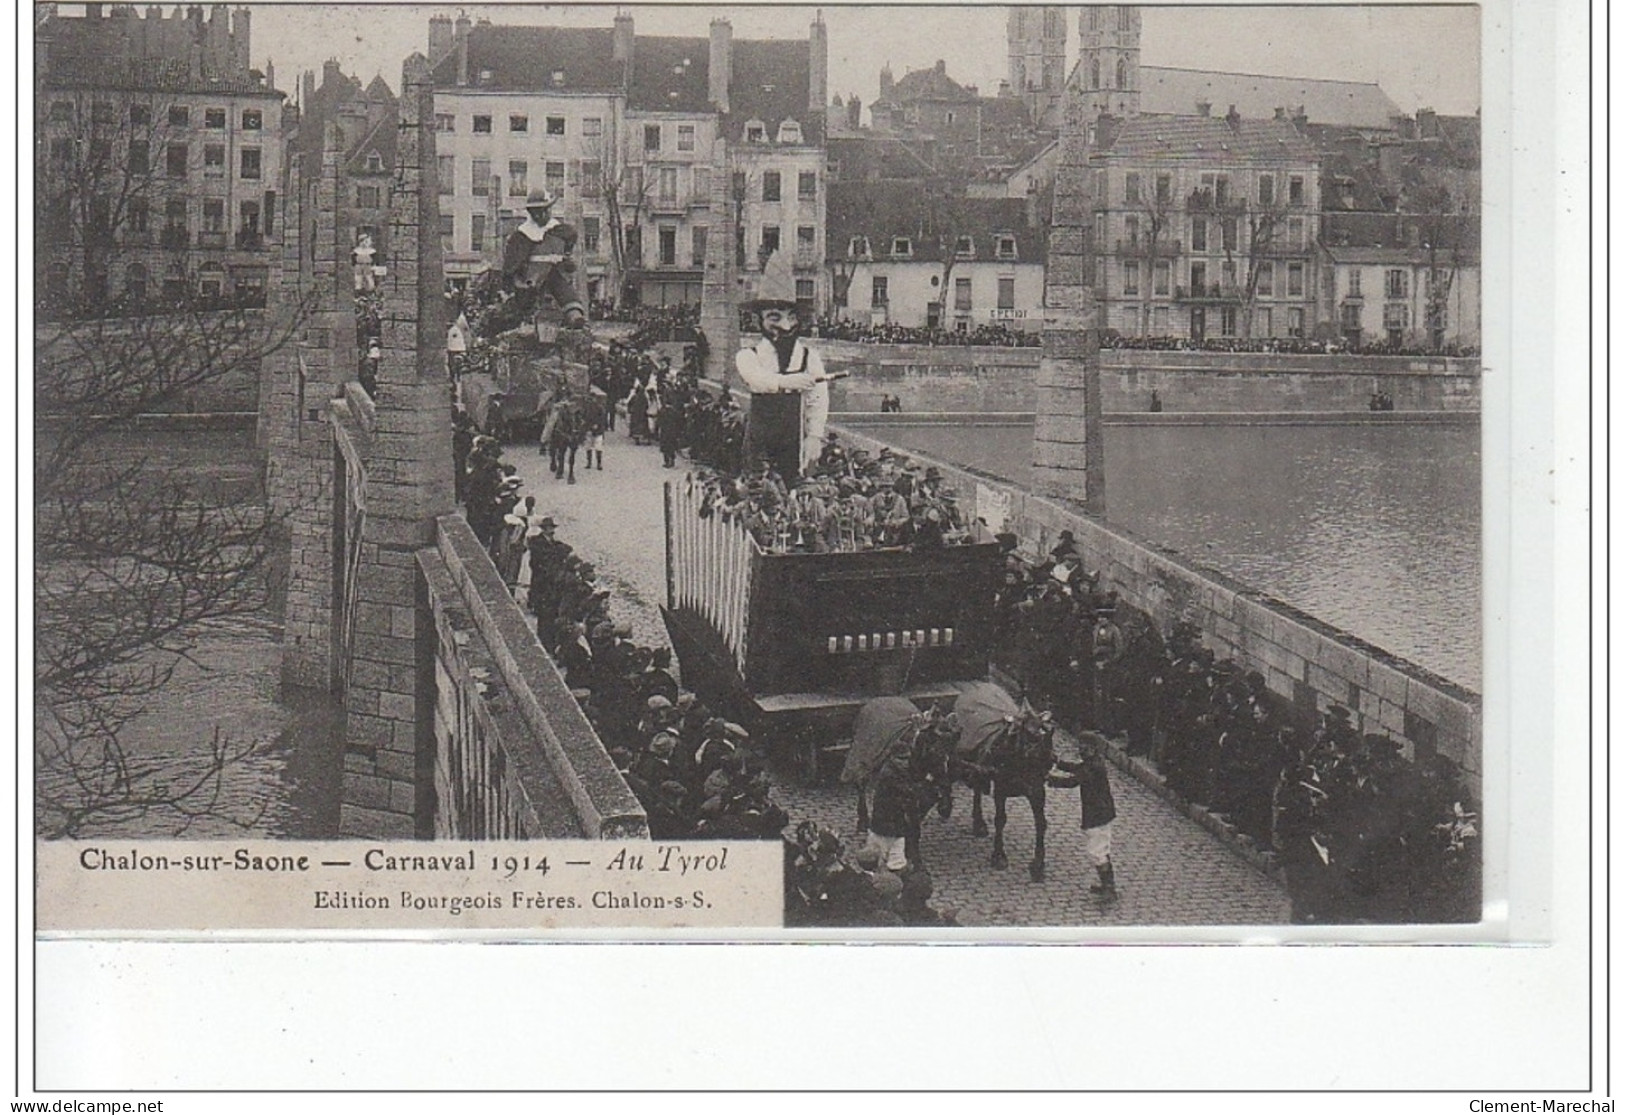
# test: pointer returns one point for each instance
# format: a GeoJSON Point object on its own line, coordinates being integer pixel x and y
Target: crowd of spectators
{"type": "Point", "coordinates": [994, 335]}
{"type": "Point", "coordinates": [1297, 346]}
{"type": "Point", "coordinates": [1344, 810]}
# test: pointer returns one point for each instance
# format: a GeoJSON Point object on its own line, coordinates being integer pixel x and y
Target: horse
{"type": "Point", "coordinates": [562, 437]}
{"type": "Point", "coordinates": [892, 739]}
{"type": "Point", "coordinates": [1003, 749]}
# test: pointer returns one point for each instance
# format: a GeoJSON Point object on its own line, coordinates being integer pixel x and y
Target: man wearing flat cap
{"type": "Point", "coordinates": [789, 388]}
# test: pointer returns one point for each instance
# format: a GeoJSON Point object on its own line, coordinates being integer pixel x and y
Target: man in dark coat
{"type": "Point", "coordinates": [1099, 811]}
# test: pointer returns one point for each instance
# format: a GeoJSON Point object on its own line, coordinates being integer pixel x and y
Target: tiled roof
{"type": "Point", "coordinates": [1165, 89]}
{"type": "Point", "coordinates": [930, 84]}
{"type": "Point", "coordinates": [527, 58]}
{"type": "Point", "coordinates": [670, 75]}
{"type": "Point", "coordinates": [148, 75]}
{"type": "Point", "coordinates": [1375, 237]}
{"type": "Point", "coordinates": [883, 211]}
{"type": "Point", "coordinates": [1199, 137]}
{"type": "Point", "coordinates": [770, 81]}
{"type": "Point", "coordinates": [380, 137]}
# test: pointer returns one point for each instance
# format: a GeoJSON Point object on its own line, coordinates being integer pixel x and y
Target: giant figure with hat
{"type": "Point", "coordinates": [537, 261]}
{"type": "Point", "coordinates": [789, 388]}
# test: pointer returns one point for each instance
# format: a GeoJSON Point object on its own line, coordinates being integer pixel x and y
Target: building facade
{"type": "Point", "coordinates": [1411, 281]}
{"type": "Point", "coordinates": [1205, 227]}
{"type": "Point", "coordinates": [519, 107]}
{"type": "Point", "coordinates": [623, 129]}
{"type": "Point", "coordinates": [159, 158]}
{"type": "Point", "coordinates": [905, 255]}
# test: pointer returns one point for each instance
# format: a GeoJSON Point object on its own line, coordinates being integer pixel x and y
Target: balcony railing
{"type": "Point", "coordinates": [211, 239]}
{"type": "Point", "coordinates": [1206, 201]}
{"type": "Point", "coordinates": [1166, 249]}
{"type": "Point", "coordinates": [1208, 292]}
{"type": "Point", "coordinates": [250, 241]}
{"type": "Point", "coordinates": [174, 238]}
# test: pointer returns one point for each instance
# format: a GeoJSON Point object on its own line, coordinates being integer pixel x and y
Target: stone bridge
{"type": "Point", "coordinates": [457, 724]}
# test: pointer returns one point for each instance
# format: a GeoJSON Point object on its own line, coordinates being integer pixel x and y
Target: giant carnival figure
{"type": "Point", "coordinates": [789, 388]}
{"type": "Point", "coordinates": [537, 262]}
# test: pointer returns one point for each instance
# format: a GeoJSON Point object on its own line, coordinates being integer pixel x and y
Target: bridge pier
{"type": "Point", "coordinates": [304, 378]}
{"type": "Point", "coordinates": [389, 731]}
{"type": "Point", "coordinates": [1069, 450]}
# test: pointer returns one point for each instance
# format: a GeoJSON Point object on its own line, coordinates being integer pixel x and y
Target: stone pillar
{"type": "Point", "coordinates": [719, 292]}
{"type": "Point", "coordinates": [1069, 460]}
{"type": "Point", "coordinates": [300, 473]}
{"type": "Point", "coordinates": [387, 775]}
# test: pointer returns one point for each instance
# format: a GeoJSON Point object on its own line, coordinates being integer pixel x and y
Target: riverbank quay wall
{"type": "Point", "coordinates": [970, 379]}
{"type": "Point", "coordinates": [1306, 662]}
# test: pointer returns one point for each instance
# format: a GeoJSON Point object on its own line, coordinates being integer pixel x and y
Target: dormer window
{"type": "Point", "coordinates": [1005, 247]}
{"type": "Point", "coordinates": [755, 131]}
{"type": "Point", "coordinates": [965, 248]}
{"type": "Point", "coordinates": [789, 132]}
{"type": "Point", "coordinates": [858, 248]}
{"type": "Point", "coordinates": [375, 162]}
{"type": "Point", "coordinates": [902, 247]}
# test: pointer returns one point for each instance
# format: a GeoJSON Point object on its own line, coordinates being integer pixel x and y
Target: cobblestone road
{"type": "Point", "coordinates": [1170, 871]}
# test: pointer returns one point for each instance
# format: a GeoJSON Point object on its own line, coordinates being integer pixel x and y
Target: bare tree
{"type": "Point", "coordinates": [1441, 239]}
{"type": "Point", "coordinates": [100, 177]}
{"type": "Point", "coordinates": [1264, 222]}
{"type": "Point", "coordinates": [132, 561]}
{"type": "Point", "coordinates": [1156, 206]}
{"type": "Point", "coordinates": [625, 191]}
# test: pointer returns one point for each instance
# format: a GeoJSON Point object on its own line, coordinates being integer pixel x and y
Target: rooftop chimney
{"type": "Point", "coordinates": [624, 39]}
{"type": "Point", "coordinates": [331, 73]}
{"type": "Point", "coordinates": [441, 41]}
{"type": "Point", "coordinates": [460, 41]}
{"type": "Point", "coordinates": [854, 112]}
{"type": "Point", "coordinates": [307, 90]}
{"type": "Point", "coordinates": [1280, 112]}
{"type": "Point", "coordinates": [885, 82]}
{"type": "Point", "coordinates": [1204, 108]}
{"type": "Point", "coordinates": [721, 63]}
{"type": "Point", "coordinates": [817, 64]}
{"type": "Point", "coordinates": [1233, 118]}
{"type": "Point", "coordinates": [93, 11]}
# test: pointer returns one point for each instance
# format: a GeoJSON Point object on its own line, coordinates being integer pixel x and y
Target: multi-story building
{"type": "Point", "coordinates": [159, 157]}
{"type": "Point", "coordinates": [1411, 280]}
{"type": "Point", "coordinates": [1205, 227]}
{"type": "Point", "coordinates": [368, 122]}
{"type": "Point", "coordinates": [906, 255]}
{"type": "Point", "coordinates": [517, 107]}
{"type": "Point", "coordinates": [671, 136]}
{"type": "Point", "coordinates": [623, 129]}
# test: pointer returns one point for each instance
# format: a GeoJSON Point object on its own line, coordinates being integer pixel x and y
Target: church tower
{"type": "Point", "coordinates": [1037, 43]}
{"type": "Point", "coordinates": [1108, 73]}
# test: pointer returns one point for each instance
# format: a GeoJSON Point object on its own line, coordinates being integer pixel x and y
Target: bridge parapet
{"type": "Point", "coordinates": [1307, 662]}
{"type": "Point", "coordinates": [514, 756]}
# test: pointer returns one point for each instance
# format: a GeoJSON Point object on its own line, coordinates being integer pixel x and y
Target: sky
{"type": "Point", "coordinates": [1424, 56]}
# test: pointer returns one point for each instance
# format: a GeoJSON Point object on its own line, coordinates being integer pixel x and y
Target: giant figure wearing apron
{"type": "Point", "coordinates": [789, 388]}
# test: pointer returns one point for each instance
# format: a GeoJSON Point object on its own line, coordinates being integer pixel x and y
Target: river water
{"type": "Point", "coordinates": [1373, 529]}
{"type": "Point", "coordinates": [286, 781]}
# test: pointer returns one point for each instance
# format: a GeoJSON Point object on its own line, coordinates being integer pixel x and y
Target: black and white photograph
{"type": "Point", "coordinates": [1022, 463]}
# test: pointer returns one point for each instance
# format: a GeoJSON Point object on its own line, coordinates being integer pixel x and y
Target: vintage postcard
{"type": "Point", "coordinates": [934, 473]}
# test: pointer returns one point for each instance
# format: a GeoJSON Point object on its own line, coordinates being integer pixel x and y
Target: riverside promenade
{"type": "Point", "coordinates": [1170, 870]}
